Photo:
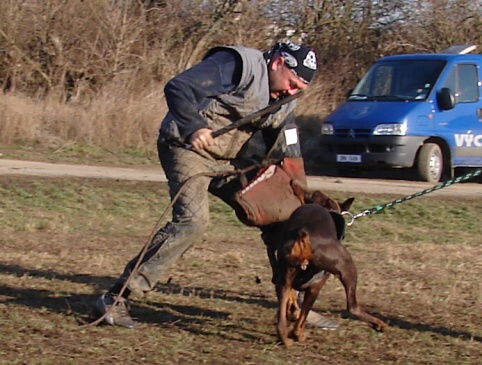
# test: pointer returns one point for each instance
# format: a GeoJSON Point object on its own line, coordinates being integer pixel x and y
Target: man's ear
{"type": "Point", "coordinates": [277, 63]}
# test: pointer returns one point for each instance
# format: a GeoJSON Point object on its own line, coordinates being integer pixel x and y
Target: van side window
{"type": "Point", "coordinates": [463, 81]}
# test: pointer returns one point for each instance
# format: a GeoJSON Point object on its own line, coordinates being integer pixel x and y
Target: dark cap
{"type": "Point", "coordinates": [300, 59]}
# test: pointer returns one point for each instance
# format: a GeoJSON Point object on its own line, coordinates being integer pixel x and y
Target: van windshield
{"type": "Point", "coordinates": [403, 80]}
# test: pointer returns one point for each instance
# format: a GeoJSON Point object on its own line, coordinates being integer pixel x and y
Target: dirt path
{"type": "Point", "coordinates": [373, 186]}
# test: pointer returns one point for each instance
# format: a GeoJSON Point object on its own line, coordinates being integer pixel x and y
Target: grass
{"type": "Point", "coordinates": [78, 153]}
{"type": "Point", "coordinates": [65, 241]}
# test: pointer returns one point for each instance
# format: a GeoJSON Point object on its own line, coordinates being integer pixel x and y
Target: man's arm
{"type": "Point", "coordinates": [190, 91]}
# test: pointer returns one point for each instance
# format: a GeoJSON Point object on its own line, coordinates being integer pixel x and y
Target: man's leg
{"type": "Point", "coordinates": [190, 219]}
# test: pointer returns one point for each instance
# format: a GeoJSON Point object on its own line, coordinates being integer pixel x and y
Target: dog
{"type": "Point", "coordinates": [273, 234]}
{"type": "Point", "coordinates": [309, 251]}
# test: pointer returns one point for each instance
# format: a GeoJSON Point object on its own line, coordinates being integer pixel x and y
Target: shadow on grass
{"type": "Point", "coordinates": [181, 316]}
{"type": "Point", "coordinates": [101, 283]}
{"type": "Point", "coordinates": [198, 321]}
{"type": "Point", "coordinates": [406, 325]}
{"type": "Point", "coordinates": [400, 323]}
{"type": "Point", "coordinates": [208, 293]}
{"type": "Point", "coordinates": [97, 281]}
{"type": "Point", "coordinates": [186, 317]}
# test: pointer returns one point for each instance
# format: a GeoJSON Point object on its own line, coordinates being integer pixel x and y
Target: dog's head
{"type": "Point", "coordinates": [301, 251]}
{"type": "Point", "coordinates": [308, 196]}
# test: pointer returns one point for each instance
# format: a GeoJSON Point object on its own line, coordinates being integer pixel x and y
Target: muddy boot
{"type": "Point", "coordinates": [117, 315]}
{"type": "Point", "coordinates": [317, 320]}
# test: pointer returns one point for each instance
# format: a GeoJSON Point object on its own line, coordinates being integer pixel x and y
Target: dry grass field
{"type": "Point", "coordinates": [82, 82]}
{"type": "Point", "coordinates": [65, 241]}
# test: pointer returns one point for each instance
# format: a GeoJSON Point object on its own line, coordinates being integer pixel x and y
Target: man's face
{"type": "Point", "coordinates": [282, 81]}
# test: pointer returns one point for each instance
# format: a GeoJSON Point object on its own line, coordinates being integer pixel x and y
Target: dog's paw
{"type": "Point", "coordinates": [287, 342]}
{"type": "Point", "coordinates": [299, 336]}
{"type": "Point", "coordinates": [379, 325]}
{"type": "Point", "coordinates": [293, 315]}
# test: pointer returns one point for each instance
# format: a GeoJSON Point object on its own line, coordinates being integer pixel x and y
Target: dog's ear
{"type": "Point", "coordinates": [325, 201]}
{"type": "Point", "coordinates": [345, 206]}
{"type": "Point", "coordinates": [299, 189]}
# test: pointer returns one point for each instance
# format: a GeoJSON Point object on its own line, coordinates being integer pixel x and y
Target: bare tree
{"type": "Point", "coordinates": [76, 48]}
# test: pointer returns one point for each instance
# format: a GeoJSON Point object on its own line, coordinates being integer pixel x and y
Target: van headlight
{"type": "Point", "coordinates": [327, 129]}
{"type": "Point", "coordinates": [390, 130]}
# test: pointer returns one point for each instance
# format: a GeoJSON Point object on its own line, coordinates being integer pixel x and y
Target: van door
{"type": "Point", "coordinates": [462, 125]}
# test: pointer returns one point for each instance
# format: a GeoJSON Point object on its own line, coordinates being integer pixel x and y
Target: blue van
{"type": "Point", "coordinates": [413, 110]}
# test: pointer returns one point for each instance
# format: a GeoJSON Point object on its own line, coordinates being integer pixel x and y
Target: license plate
{"type": "Point", "coordinates": [348, 158]}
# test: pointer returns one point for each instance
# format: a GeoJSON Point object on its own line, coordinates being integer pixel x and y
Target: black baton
{"type": "Point", "coordinates": [240, 122]}
{"type": "Point", "coordinates": [249, 118]}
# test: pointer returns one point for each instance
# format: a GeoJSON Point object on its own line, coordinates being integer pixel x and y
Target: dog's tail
{"type": "Point", "coordinates": [301, 251]}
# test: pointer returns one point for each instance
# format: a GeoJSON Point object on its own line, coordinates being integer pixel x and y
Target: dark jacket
{"type": "Point", "coordinates": [230, 83]}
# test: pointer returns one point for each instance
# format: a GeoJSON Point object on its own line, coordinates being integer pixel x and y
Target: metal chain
{"type": "Point", "coordinates": [379, 208]}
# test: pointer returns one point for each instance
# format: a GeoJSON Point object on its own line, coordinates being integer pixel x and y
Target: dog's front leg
{"type": "Point", "coordinates": [293, 312]}
{"type": "Point", "coordinates": [309, 299]}
{"type": "Point", "coordinates": [283, 292]}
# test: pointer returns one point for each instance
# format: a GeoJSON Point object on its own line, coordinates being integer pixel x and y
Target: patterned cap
{"type": "Point", "coordinates": [300, 59]}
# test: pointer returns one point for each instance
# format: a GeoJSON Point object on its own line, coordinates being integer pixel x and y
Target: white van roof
{"type": "Point", "coordinates": [459, 49]}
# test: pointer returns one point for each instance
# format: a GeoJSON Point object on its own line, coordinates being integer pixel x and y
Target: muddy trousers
{"type": "Point", "coordinates": [190, 217]}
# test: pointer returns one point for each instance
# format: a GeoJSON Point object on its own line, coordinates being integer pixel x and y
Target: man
{"type": "Point", "coordinates": [228, 84]}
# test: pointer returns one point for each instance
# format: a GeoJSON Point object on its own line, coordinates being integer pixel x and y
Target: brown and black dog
{"type": "Point", "coordinates": [309, 252]}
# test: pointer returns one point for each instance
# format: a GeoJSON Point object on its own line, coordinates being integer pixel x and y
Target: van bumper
{"type": "Point", "coordinates": [375, 152]}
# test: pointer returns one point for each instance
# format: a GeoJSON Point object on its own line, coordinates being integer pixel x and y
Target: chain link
{"type": "Point", "coordinates": [379, 208]}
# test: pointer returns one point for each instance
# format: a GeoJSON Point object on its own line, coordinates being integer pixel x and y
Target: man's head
{"type": "Point", "coordinates": [291, 68]}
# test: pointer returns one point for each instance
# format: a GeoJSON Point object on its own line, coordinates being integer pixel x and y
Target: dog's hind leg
{"type": "Point", "coordinates": [271, 238]}
{"type": "Point", "coordinates": [348, 277]}
{"type": "Point", "coordinates": [273, 262]}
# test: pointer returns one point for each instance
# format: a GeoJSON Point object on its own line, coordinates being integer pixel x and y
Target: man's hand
{"type": "Point", "coordinates": [201, 139]}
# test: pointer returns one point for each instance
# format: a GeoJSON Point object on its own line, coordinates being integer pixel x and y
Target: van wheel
{"type": "Point", "coordinates": [430, 162]}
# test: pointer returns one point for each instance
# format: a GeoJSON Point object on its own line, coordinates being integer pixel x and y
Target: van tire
{"type": "Point", "coordinates": [430, 163]}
